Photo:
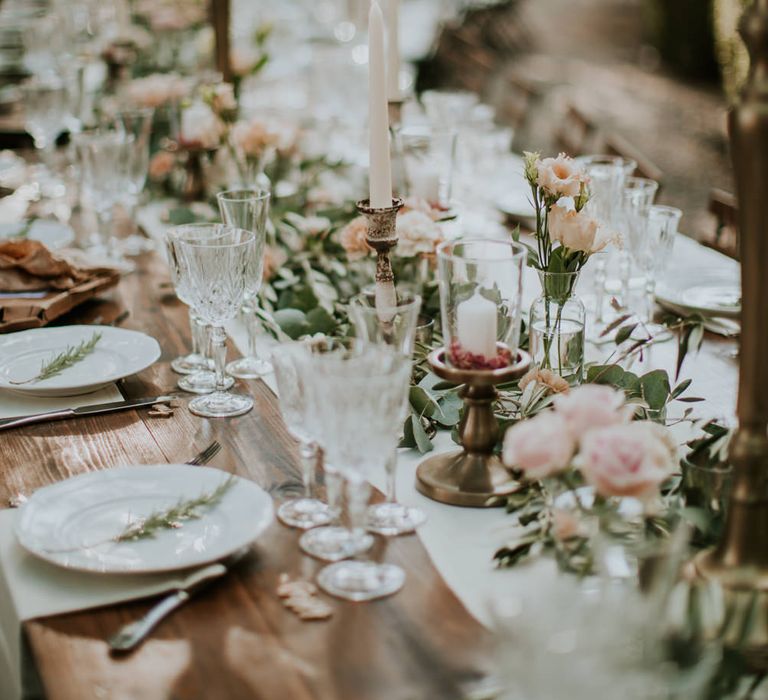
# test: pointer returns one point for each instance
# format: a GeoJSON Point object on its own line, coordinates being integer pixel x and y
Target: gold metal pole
{"type": "Point", "coordinates": [220, 19]}
{"type": "Point", "coordinates": [740, 560]}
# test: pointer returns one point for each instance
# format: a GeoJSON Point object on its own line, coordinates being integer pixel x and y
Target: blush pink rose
{"type": "Point", "coordinates": [561, 176]}
{"type": "Point", "coordinates": [591, 406]}
{"type": "Point", "coordinates": [626, 460]}
{"type": "Point", "coordinates": [540, 447]}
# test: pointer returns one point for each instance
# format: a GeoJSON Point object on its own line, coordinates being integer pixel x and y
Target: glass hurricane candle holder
{"type": "Point", "coordinates": [481, 283]}
{"type": "Point", "coordinates": [480, 298]}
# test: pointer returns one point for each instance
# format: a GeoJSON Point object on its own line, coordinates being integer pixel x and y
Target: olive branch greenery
{"type": "Point", "coordinates": [173, 517]}
{"type": "Point", "coordinates": [64, 360]}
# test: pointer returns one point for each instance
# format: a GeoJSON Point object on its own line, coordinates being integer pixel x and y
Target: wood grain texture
{"type": "Point", "coordinates": [235, 640]}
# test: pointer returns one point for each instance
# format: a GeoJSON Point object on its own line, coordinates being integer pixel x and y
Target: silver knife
{"type": "Point", "coordinates": [83, 411]}
{"type": "Point", "coordinates": [130, 636]}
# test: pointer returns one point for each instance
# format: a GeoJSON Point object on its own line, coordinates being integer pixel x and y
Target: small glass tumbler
{"type": "Point", "coordinates": [248, 209]}
{"type": "Point", "coordinates": [481, 286]}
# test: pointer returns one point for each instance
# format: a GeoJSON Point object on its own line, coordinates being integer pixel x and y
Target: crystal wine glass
{"type": "Point", "coordinates": [136, 123]}
{"type": "Point", "coordinates": [607, 175]}
{"type": "Point", "coordinates": [44, 103]}
{"type": "Point", "coordinates": [101, 154]}
{"type": "Point", "coordinates": [218, 263]}
{"type": "Point", "coordinates": [650, 250]}
{"type": "Point", "coordinates": [637, 198]}
{"type": "Point", "coordinates": [291, 372]}
{"type": "Point", "coordinates": [196, 366]}
{"type": "Point", "coordinates": [359, 396]}
{"type": "Point", "coordinates": [398, 331]}
{"type": "Point", "coordinates": [248, 209]}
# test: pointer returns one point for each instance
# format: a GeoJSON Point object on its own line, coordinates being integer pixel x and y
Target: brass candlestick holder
{"type": "Point", "coordinates": [382, 237]}
{"type": "Point", "coordinates": [473, 476]}
{"type": "Point", "coordinates": [740, 561]}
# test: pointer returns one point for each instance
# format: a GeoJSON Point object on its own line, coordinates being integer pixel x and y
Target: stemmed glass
{"type": "Point", "coordinates": [248, 209]}
{"type": "Point", "coordinates": [398, 332]}
{"type": "Point", "coordinates": [218, 263]}
{"type": "Point", "coordinates": [292, 379]}
{"type": "Point", "coordinates": [137, 124]}
{"type": "Point", "coordinates": [196, 366]}
{"type": "Point", "coordinates": [428, 158]}
{"type": "Point", "coordinates": [636, 201]}
{"type": "Point", "coordinates": [607, 175]}
{"type": "Point", "coordinates": [651, 247]}
{"type": "Point", "coordinates": [359, 396]}
{"type": "Point", "coordinates": [102, 156]}
{"type": "Point", "coordinates": [44, 103]}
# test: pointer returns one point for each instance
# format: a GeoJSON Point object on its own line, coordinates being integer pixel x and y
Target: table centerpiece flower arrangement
{"type": "Point", "coordinates": [566, 237]}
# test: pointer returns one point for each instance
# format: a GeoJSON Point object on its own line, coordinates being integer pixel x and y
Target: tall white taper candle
{"type": "Point", "coordinates": [393, 50]}
{"type": "Point", "coordinates": [380, 174]}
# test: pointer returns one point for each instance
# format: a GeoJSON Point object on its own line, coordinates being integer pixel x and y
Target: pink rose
{"type": "Point", "coordinates": [540, 446]}
{"type": "Point", "coordinates": [626, 460]}
{"type": "Point", "coordinates": [591, 406]}
{"type": "Point", "coordinates": [161, 165]}
{"type": "Point", "coordinates": [561, 176]}
{"type": "Point", "coordinates": [576, 230]}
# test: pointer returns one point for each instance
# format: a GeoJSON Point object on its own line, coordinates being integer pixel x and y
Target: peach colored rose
{"type": "Point", "coordinates": [252, 138]}
{"type": "Point", "coordinates": [575, 230]}
{"type": "Point", "coordinates": [161, 165]}
{"type": "Point", "coordinates": [541, 446]}
{"type": "Point", "coordinates": [422, 205]}
{"type": "Point", "coordinates": [352, 239]}
{"type": "Point", "coordinates": [243, 60]}
{"type": "Point", "coordinates": [157, 89]}
{"type": "Point", "coordinates": [626, 460]}
{"type": "Point", "coordinates": [221, 97]}
{"type": "Point", "coordinates": [591, 406]}
{"type": "Point", "coordinates": [546, 377]}
{"type": "Point", "coordinates": [200, 127]}
{"type": "Point", "coordinates": [561, 176]}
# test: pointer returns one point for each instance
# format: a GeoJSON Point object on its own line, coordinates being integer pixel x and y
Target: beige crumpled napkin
{"type": "Point", "coordinates": [28, 265]}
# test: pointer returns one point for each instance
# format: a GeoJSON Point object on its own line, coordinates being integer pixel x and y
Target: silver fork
{"type": "Point", "coordinates": [206, 455]}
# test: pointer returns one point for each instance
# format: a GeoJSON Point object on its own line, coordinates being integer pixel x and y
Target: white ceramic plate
{"type": "Point", "coordinates": [119, 353]}
{"type": "Point", "coordinates": [71, 523]}
{"type": "Point", "coordinates": [53, 233]}
{"type": "Point", "coordinates": [708, 291]}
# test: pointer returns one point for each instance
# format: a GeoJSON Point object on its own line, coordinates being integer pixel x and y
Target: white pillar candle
{"type": "Point", "coordinates": [476, 328]}
{"type": "Point", "coordinates": [380, 174]}
{"type": "Point", "coordinates": [393, 50]}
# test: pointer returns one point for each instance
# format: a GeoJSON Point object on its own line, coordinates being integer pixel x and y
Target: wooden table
{"type": "Point", "coordinates": [235, 640]}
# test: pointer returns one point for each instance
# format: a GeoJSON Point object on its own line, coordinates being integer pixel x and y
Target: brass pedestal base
{"type": "Point", "coordinates": [464, 479]}
{"type": "Point", "coordinates": [474, 477]}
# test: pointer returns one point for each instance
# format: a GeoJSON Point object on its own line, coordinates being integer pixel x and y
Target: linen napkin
{"type": "Point", "coordinates": [31, 588]}
{"type": "Point", "coordinates": [16, 405]}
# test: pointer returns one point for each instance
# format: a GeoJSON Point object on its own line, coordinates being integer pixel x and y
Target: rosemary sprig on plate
{"type": "Point", "coordinates": [64, 360]}
{"type": "Point", "coordinates": [172, 517]}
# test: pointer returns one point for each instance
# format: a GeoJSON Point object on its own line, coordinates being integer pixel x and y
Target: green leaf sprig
{"type": "Point", "coordinates": [64, 360]}
{"type": "Point", "coordinates": [173, 517]}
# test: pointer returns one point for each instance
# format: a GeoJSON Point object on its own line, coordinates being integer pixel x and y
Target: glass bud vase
{"type": "Point", "coordinates": [556, 328]}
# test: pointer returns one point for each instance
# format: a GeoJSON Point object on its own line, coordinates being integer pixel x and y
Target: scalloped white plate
{"type": "Point", "coordinates": [72, 523]}
{"type": "Point", "coordinates": [119, 353]}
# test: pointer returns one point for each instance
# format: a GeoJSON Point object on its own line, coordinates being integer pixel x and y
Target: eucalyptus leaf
{"type": "Point", "coordinates": [423, 443]}
{"type": "Point", "coordinates": [292, 322]}
{"type": "Point", "coordinates": [656, 388]}
{"type": "Point", "coordinates": [320, 321]}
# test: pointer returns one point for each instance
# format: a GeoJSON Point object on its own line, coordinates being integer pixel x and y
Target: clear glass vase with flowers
{"type": "Point", "coordinates": [601, 474]}
{"type": "Point", "coordinates": [566, 236]}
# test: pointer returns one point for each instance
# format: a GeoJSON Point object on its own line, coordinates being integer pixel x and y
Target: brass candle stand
{"type": "Point", "coordinates": [740, 561]}
{"type": "Point", "coordinates": [473, 476]}
{"type": "Point", "coordinates": [382, 237]}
